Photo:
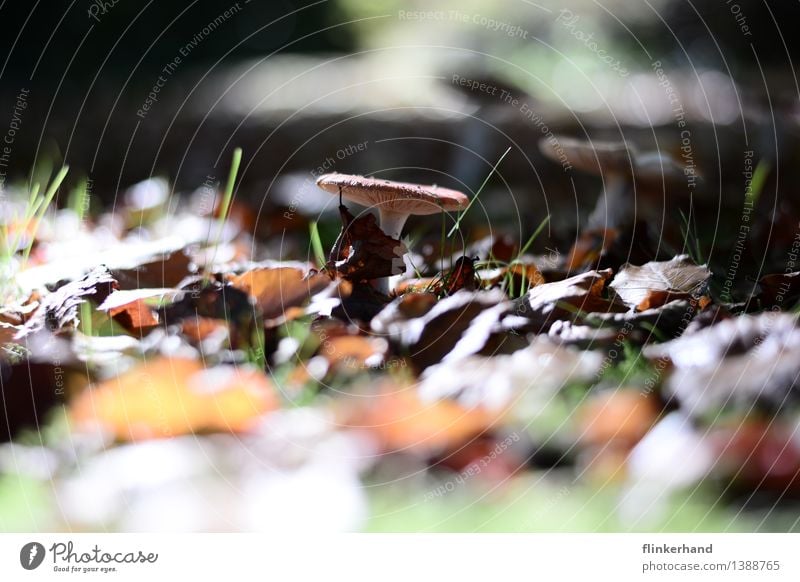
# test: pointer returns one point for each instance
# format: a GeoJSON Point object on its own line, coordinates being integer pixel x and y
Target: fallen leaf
{"type": "Point", "coordinates": [461, 276]}
{"type": "Point", "coordinates": [530, 375]}
{"type": "Point", "coordinates": [214, 301]}
{"type": "Point", "coordinates": [522, 275]}
{"type": "Point", "coordinates": [734, 364]}
{"type": "Point", "coordinates": [678, 278]}
{"type": "Point", "coordinates": [571, 299]}
{"type": "Point", "coordinates": [658, 298]}
{"type": "Point", "coordinates": [422, 285]}
{"type": "Point", "coordinates": [618, 418]}
{"type": "Point", "coordinates": [664, 322]}
{"type": "Point", "coordinates": [130, 309]}
{"type": "Point", "coordinates": [363, 252]}
{"type": "Point", "coordinates": [168, 397]}
{"type": "Point", "coordinates": [198, 329]}
{"type": "Point", "coordinates": [354, 352]}
{"type": "Point", "coordinates": [276, 289]}
{"type": "Point", "coordinates": [136, 317]}
{"type": "Point", "coordinates": [600, 248]}
{"type": "Point", "coordinates": [590, 246]}
{"type": "Point", "coordinates": [400, 421]}
{"type": "Point", "coordinates": [435, 335]}
{"type": "Point", "coordinates": [498, 247]}
{"type": "Point", "coordinates": [779, 290]}
{"type": "Point", "coordinates": [161, 271]}
{"type": "Point", "coordinates": [120, 298]}
{"type": "Point", "coordinates": [59, 309]}
{"type": "Point", "coordinates": [358, 302]}
{"type": "Point", "coordinates": [487, 457]}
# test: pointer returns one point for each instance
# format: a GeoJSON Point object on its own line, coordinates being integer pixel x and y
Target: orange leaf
{"type": "Point", "coordinates": [135, 316]}
{"type": "Point", "coordinates": [621, 417]}
{"type": "Point", "coordinates": [174, 396]}
{"type": "Point", "coordinates": [276, 289]}
{"type": "Point", "coordinates": [400, 420]}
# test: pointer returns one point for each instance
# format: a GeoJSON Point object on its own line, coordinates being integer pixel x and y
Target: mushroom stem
{"type": "Point", "coordinates": [616, 206]}
{"type": "Point", "coordinates": [392, 222]}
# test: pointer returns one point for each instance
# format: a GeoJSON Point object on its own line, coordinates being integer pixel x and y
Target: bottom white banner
{"type": "Point", "coordinates": [357, 557]}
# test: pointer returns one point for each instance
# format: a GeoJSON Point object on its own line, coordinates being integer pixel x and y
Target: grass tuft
{"type": "Point", "coordinates": [225, 208]}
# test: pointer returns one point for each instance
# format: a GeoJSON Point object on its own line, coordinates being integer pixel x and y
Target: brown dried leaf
{"type": "Point", "coordinates": [590, 246]}
{"type": "Point", "coordinates": [214, 301]}
{"type": "Point", "coordinates": [734, 364]}
{"type": "Point", "coordinates": [59, 309]}
{"type": "Point", "coordinates": [363, 252]}
{"type": "Point", "coordinates": [569, 299]}
{"type": "Point", "coordinates": [779, 290]}
{"type": "Point", "coordinates": [166, 270]}
{"type": "Point", "coordinates": [276, 289]}
{"type": "Point", "coordinates": [136, 317]}
{"type": "Point", "coordinates": [678, 277]}
{"type": "Point", "coordinates": [461, 276]}
{"type": "Point", "coordinates": [463, 322]}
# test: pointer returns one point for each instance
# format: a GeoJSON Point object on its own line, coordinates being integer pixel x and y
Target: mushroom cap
{"type": "Point", "coordinates": [649, 170]}
{"type": "Point", "coordinates": [587, 156]}
{"type": "Point", "coordinates": [396, 197]}
{"type": "Point", "coordinates": [654, 169]}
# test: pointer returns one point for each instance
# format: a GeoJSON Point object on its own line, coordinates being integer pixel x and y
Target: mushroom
{"type": "Point", "coordinates": [395, 201]}
{"type": "Point", "coordinates": [628, 176]}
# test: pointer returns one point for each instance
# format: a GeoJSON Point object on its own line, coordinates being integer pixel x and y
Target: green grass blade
{"type": "Point", "coordinates": [316, 243]}
{"type": "Point", "coordinates": [41, 206]}
{"type": "Point", "coordinates": [225, 207]}
{"type": "Point", "coordinates": [457, 225]}
{"type": "Point", "coordinates": [759, 179]}
{"type": "Point", "coordinates": [533, 237]}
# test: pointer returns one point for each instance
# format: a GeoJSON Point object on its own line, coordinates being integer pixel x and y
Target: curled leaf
{"type": "Point", "coordinates": [363, 252]}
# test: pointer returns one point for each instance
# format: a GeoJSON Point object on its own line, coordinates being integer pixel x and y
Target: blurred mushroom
{"type": "Point", "coordinates": [395, 201]}
{"type": "Point", "coordinates": [628, 177]}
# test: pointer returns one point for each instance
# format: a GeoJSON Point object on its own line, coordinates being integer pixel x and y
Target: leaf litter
{"type": "Point", "coordinates": [170, 338]}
